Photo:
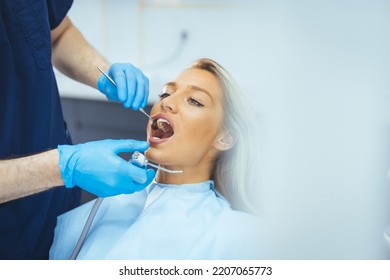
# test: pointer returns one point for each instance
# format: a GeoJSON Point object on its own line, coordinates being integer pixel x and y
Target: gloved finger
{"type": "Point", "coordinates": [128, 145]}
{"type": "Point", "coordinates": [142, 89]}
{"type": "Point", "coordinates": [106, 87]}
{"type": "Point", "coordinates": [131, 82]}
{"type": "Point", "coordinates": [150, 176]}
{"type": "Point", "coordinates": [119, 77]}
{"type": "Point", "coordinates": [100, 83]}
{"type": "Point", "coordinates": [137, 174]}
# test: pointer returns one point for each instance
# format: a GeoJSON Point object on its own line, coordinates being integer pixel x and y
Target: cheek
{"type": "Point", "coordinates": [202, 129]}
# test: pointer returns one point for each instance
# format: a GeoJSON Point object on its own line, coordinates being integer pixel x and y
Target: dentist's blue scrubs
{"type": "Point", "coordinates": [31, 121]}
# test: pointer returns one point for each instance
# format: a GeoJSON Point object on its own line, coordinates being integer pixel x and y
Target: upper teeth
{"type": "Point", "coordinates": [161, 122]}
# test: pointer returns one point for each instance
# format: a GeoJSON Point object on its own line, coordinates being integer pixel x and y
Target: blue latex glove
{"type": "Point", "coordinates": [96, 167]}
{"type": "Point", "coordinates": [132, 86]}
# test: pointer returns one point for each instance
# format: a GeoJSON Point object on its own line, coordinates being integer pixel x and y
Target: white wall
{"type": "Point", "coordinates": [317, 75]}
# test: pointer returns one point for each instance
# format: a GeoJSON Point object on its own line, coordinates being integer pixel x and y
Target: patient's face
{"type": "Point", "coordinates": [187, 121]}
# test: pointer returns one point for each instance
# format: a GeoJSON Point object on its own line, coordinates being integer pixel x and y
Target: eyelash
{"type": "Point", "coordinates": [194, 102]}
{"type": "Point", "coordinates": [191, 100]}
{"type": "Point", "coordinates": [163, 95]}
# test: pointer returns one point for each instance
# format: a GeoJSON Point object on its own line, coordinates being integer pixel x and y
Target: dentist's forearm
{"type": "Point", "coordinates": [29, 175]}
{"type": "Point", "coordinates": [74, 56]}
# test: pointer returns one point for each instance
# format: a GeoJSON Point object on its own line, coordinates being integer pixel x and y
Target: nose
{"type": "Point", "coordinates": [169, 104]}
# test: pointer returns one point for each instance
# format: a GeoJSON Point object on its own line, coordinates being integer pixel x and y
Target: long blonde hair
{"type": "Point", "coordinates": [233, 170]}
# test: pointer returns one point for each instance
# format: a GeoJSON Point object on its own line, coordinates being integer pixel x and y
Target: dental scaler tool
{"type": "Point", "coordinates": [140, 160]}
{"type": "Point", "coordinates": [113, 82]}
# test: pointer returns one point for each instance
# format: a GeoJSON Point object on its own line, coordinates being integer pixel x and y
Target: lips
{"type": "Point", "coordinates": [161, 129]}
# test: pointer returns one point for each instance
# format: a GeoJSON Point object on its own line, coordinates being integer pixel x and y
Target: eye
{"type": "Point", "coordinates": [195, 102]}
{"type": "Point", "coordinates": [163, 95]}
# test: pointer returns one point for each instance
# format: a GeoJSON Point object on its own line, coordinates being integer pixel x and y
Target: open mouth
{"type": "Point", "coordinates": [161, 129]}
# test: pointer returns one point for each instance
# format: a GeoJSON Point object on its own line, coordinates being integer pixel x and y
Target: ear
{"type": "Point", "coordinates": [224, 141]}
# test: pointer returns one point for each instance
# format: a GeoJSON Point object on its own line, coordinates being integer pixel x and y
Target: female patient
{"type": "Point", "coordinates": [199, 127]}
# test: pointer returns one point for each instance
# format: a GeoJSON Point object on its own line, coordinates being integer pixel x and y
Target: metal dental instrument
{"type": "Point", "coordinates": [113, 82]}
{"type": "Point", "coordinates": [137, 156]}
{"type": "Point", "coordinates": [105, 74]}
{"type": "Point", "coordinates": [139, 159]}
{"type": "Point", "coordinates": [146, 114]}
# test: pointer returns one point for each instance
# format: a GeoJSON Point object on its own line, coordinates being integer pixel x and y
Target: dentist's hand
{"type": "Point", "coordinates": [96, 167]}
{"type": "Point", "coordinates": [132, 86]}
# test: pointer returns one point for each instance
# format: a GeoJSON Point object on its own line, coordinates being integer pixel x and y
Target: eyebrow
{"type": "Point", "coordinates": [192, 87]}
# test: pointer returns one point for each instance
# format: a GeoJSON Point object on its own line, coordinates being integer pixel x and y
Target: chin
{"type": "Point", "coordinates": [164, 157]}
{"type": "Point", "coordinates": [156, 155]}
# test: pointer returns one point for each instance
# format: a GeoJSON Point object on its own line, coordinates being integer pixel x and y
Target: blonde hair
{"type": "Point", "coordinates": [233, 170]}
